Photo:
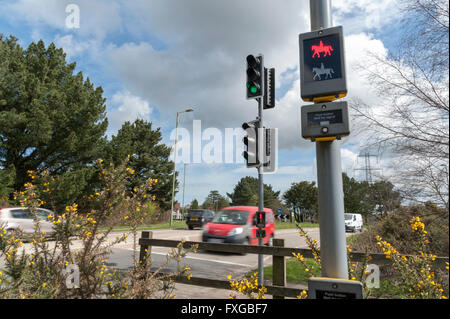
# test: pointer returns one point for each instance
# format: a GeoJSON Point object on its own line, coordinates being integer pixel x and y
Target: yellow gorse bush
{"type": "Point", "coordinates": [418, 274]}
{"type": "Point", "coordinates": [248, 287]}
{"type": "Point", "coordinates": [40, 272]}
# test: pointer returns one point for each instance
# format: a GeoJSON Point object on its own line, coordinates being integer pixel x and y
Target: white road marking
{"type": "Point", "coordinates": [204, 259]}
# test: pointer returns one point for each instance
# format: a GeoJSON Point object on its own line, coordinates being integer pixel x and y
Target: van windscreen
{"type": "Point", "coordinates": [348, 216]}
{"type": "Point", "coordinates": [232, 217]}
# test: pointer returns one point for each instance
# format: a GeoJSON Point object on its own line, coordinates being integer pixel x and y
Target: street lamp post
{"type": "Point", "coordinates": [184, 187]}
{"type": "Point", "coordinates": [175, 161]}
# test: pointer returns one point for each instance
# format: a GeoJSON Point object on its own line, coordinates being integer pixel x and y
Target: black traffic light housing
{"type": "Point", "coordinates": [260, 219]}
{"type": "Point", "coordinates": [255, 76]}
{"type": "Point", "coordinates": [260, 233]}
{"type": "Point", "coordinates": [251, 154]}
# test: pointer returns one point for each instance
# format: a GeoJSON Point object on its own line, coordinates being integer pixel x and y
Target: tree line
{"type": "Point", "coordinates": [376, 199]}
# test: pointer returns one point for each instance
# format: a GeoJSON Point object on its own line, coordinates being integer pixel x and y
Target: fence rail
{"type": "Point", "coordinates": [278, 251]}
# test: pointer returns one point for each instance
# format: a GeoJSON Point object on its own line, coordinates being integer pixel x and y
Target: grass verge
{"type": "Point", "coordinates": [295, 271]}
{"type": "Point", "coordinates": [288, 225]}
{"type": "Point", "coordinates": [181, 224]}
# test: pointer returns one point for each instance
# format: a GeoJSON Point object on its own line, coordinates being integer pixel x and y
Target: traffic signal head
{"type": "Point", "coordinates": [322, 65]}
{"type": "Point", "coordinates": [255, 75]}
{"type": "Point", "coordinates": [251, 143]}
{"type": "Point", "coordinates": [270, 151]}
{"type": "Point", "coordinates": [260, 219]}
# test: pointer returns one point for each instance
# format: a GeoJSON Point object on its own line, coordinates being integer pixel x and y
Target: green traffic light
{"type": "Point", "coordinates": [253, 89]}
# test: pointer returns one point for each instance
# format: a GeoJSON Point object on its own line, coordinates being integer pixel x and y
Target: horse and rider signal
{"type": "Point", "coordinates": [322, 65]}
{"type": "Point", "coordinates": [318, 72]}
{"type": "Point", "coordinates": [321, 48]}
{"type": "Point", "coordinates": [326, 50]}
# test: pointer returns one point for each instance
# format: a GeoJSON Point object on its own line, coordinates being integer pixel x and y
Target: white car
{"type": "Point", "coordinates": [353, 222]}
{"type": "Point", "coordinates": [21, 218]}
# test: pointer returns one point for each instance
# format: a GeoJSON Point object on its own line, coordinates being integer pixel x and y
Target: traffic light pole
{"type": "Point", "coordinates": [260, 175]}
{"type": "Point", "coordinates": [260, 192]}
{"type": "Point", "coordinates": [333, 250]}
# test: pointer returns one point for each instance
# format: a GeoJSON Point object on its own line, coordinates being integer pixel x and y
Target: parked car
{"type": "Point", "coordinates": [238, 225]}
{"type": "Point", "coordinates": [199, 217]}
{"type": "Point", "coordinates": [21, 218]}
{"type": "Point", "coordinates": [353, 222]}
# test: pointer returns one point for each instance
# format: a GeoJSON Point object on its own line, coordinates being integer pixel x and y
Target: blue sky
{"type": "Point", "coordinates": [155, 58]}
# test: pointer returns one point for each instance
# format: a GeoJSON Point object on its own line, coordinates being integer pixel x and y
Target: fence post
{"type": "Point", "coordinates": [279, 268]}
{"type": "Point", "coordinates": [145, 250]}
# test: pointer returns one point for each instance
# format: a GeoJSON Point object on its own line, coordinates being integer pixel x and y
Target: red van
{"type": "Point", "coordinates": [237, 225]}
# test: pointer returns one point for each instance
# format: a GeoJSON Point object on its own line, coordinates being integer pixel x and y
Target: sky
{"type": "Point", "coordinates": [154, 58]}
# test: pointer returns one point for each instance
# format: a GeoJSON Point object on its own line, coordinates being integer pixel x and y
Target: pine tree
{"type": "Point", "coordinates": [246, 193]}
{"type": "Point", "coordinates": [50, 118]}
{"type": "Point", "coordinates": [148, 157]}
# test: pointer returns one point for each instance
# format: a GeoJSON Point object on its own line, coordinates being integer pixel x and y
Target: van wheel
{"type": "Point", "coordinates": [190, 227]}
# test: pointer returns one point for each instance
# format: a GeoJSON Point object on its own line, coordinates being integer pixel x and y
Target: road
{"type": "Point", "coordinates": [202, 263]}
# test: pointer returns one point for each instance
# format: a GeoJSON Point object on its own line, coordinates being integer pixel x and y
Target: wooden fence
{"type": "Point", "coordinates": [278, 288]}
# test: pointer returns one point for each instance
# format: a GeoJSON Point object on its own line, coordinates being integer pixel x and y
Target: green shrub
{"type": "Point", "coordinates": [396, 230]}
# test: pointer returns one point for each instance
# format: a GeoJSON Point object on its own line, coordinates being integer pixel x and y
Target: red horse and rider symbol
{"type": "Point", "coordinates": [321, 48]}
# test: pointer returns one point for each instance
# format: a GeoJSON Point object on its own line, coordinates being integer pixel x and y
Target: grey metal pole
{"type": "Point", "coordinates": [320, 11]}
{"type": "Point", "coordinates": [260, 192]}
{"type": "Point", "coordinates": [333, 248]}
{"type": "Point", "coordinates": [260, 176]}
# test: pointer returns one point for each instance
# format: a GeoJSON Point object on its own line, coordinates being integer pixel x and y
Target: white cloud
{"type": "Point", "coordinates": [358, 14]}
{"type": "Point", "coordinates": [39, 13]}
{"type": "Point", "coordinates": [128, 108]}
{"type": "Point", "coordinates": [73, 47]}
{"type": "Point", "coordinates": [348, 159]}
{"type": "Point", "coordinates": [97, 18]}
{"type": "Point", "coordinates": [204, 63]}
